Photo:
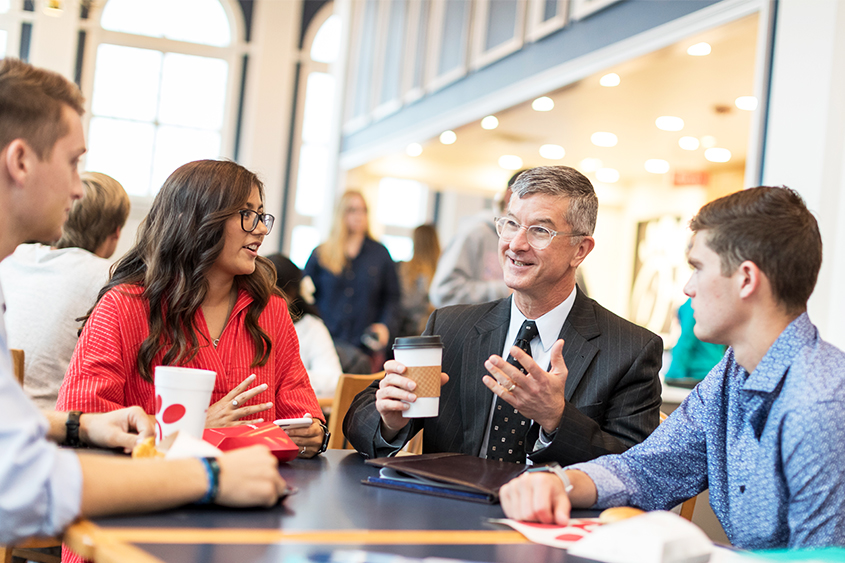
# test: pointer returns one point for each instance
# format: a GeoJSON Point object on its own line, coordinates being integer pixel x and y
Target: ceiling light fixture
{"type": "Point", "coordinates": [699, 50]}
{"type": "Point", "coordinates": [717, 155]}
{"type": "Point", "coordinates": [448, 137]}
{"type": "Point", "coordinates": [543, 104]}
{"type": "Point", "coordinates": [414, 149]}
{"type": "Point", "coordinates": [489, 122]}
{"type": "Point", "coordinates": [552, 152]}
{"type": "Point", "coordinates": [688, 143]}
{"type": "Point", "coordinates": [657, 166]}
{"type": "Point", "coordinates": [708, 141]}
{"type": "Point", "coordinates": [607, 175]}
{"type": "Point", "coordinates": [610, 80]}
{"type": "Point", "coordinates": [747, 103]}
{"type": "Point", "coordinates": [590, 164]}
{"type": "Point", "coordinates": [604, 139]}
{"type": "Point", "coordinates": [669, 123]}
{"type": "Point", "coordinates": [510, 162]}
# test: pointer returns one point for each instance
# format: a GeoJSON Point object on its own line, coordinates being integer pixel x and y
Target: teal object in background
{"type": "Point", "coordinates": [692, 359]}
{"type": "Point", "coordinates": [823, 555]}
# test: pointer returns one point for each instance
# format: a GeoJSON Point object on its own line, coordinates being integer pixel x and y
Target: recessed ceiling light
{"type": "Point", "coordinates": [543, 104]}
{"type": "Point", "coordinates": [607, 175]}
{"type": "Point", "coordinates": [708, 141]}
{"type": "Point", "coordinates": [699, 50]}
{"type": "Point", "coordinates": [688, 143]}
{"type": "Point", "coordinates": [590, 164]}
{"type": "Point", "coordinates": [448, 137]}
{"type": "Point", "coordinates": [748, 103]}
{"type": "Point", "coordinates": [610, 80]}
{"type": "Point", "coordinates": [414, 149]}
{"type": "Point", "coordinates": [489, 122]}
{"type": "Point", "coordinates": [510, 162]}
{"type": "Point", "coordinates": [669, 123]}
{"type": "Point", "coordinates": [717, 155]}
{"type": "Point", "coordinates": [552, 152]}
{"type": "Point", "coordinates": [604, 139]}
{"type": "Point", "coordinates": [657, 166]}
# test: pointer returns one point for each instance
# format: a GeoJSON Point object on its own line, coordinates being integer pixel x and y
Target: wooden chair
{"type": "Point", "coordinates": [348, 386]}
{"type": "Point", "coordinates": [17, 364]}
{"type": "Point", "coordinates": [688, 506]}
{"type": "Point", "coordinates": [24, 550]}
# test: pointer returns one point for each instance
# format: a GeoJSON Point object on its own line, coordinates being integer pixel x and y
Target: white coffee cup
{"type": "Point", "coordinates": [182, 399]}
{"type": "Point", "coordinates": [422, 356]}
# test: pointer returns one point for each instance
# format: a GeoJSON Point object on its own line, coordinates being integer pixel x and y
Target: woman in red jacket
{"type": "Point", "coordinates": [194, 292]}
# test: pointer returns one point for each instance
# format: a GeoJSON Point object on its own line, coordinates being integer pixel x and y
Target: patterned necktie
{"type": "Point", "coordinates": [508, 428]}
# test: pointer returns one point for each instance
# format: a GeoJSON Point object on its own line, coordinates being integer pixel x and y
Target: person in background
{"type": "Point", "coordinates": [356, 288]}
{"type": "Point", "coordinates": [194, 292]}
{"type": "Point", "coordinates": [48, 288]}
{"type": "Point", "coordinates": [763, 430]}
{"type": "Point", "coordinates": [43, 488]}
{"type": "Point", "coordinates": [315, 343]}
{"type": "Point", "coordinates": [468, 271]}
{"type": "Point", "coordinates": [415, 277]}
{"type": "Point", "coordinates": [692, 359]}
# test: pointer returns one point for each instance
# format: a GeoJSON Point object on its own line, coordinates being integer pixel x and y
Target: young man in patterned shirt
{"type": "Point", "coordinates": [763, 430]}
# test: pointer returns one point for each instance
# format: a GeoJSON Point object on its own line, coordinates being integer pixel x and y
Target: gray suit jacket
{"type": "Point", "coordinates": [612, 391]}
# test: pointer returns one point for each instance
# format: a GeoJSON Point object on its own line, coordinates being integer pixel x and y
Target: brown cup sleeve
{"type": "Point", "coordinates": [427, 379]}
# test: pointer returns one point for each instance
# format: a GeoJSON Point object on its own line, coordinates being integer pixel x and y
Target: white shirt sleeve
{"type": "Point", "coordinates": [318, 355]}
{"type": "Point", "coordinates": [40, 485]}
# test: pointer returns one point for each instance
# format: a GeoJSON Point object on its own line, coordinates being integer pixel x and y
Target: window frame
{"type": "Point", "coordinates": [233, 54]}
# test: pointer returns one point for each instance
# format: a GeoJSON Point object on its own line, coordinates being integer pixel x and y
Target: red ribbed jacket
{"type": "Point", "coordinates": [103, 373]}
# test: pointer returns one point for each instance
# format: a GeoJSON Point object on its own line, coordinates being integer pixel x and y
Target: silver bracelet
{"type": "Point", "coordinates": [553, 467]}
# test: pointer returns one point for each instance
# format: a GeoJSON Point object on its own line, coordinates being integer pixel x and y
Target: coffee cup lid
{"type": "Point", "coordinates": [418, 342]}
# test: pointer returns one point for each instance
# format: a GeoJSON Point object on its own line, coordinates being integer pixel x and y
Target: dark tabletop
{"type": "Point", "coordinates": [330, 496]}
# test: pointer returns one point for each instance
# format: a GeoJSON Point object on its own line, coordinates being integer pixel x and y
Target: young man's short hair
{"type": "Point", "coordinates": [772, 227]}
{"type": "Point", "coordinates": [103, 209]}
{"type": "Point", "coordinates": [31, 103]}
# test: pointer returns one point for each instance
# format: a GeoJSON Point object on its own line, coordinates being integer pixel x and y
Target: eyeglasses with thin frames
{"type": "Point", "coordinates": [250, 219]}
{"type": "Point", "coordinates": [539, 237]}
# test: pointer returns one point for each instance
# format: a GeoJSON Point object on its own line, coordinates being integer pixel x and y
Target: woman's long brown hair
{"type": "Point", "coordinates": [176, 246]}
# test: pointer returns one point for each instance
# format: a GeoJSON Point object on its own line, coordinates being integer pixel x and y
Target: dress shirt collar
{"type": "Point", "coordinates": [776, 362]}
{"type": "Point", "coordinates": [549, 325]}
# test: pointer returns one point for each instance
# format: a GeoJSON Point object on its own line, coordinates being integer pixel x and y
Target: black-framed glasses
{"type": "Point", "coordinates": [250, 219]}
{"type": "Point", "coordinates": [538, 237]}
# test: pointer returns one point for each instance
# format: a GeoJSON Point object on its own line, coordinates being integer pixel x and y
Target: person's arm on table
{"type": "Point", "coordinates": [248, 477]}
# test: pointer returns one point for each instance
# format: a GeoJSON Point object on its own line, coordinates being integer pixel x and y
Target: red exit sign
{"type": "Point", "coordinates": [691, 178]}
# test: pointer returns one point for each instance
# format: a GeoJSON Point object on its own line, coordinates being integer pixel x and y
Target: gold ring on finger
{"type": "Point", "coordinates": [512, 387]}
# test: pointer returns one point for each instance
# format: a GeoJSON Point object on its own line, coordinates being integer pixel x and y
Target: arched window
{"type": "Point", "coordinates": [162, 89]}
{"type": "Point", "coordinates": [316, 116]}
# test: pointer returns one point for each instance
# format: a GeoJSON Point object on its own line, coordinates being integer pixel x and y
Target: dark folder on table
{"type": "Point", "coordinates": [448, 475]}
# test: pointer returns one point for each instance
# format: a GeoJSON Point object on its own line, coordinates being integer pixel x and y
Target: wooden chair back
{"type": "Point", "coordinates": [688, 506]}
{"type": "Point", "coordinates": [348, 386]}
{"type": "Point", "coordinates": [17, 364]}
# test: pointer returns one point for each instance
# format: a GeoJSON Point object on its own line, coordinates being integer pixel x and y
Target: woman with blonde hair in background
{"type": "Point", "coordinates": [415, 277]}
{"type": "Point", "coordinates": [355, 285]}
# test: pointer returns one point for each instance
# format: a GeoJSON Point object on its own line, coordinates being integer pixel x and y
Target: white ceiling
{"type": "Point", "coordinates": [700, 90]}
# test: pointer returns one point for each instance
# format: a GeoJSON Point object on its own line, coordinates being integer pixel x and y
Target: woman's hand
{"type": "Point", "coordinates": [382, 333]}
{"type": "Point", "coordinates": [229, 411]}
{"type": "Point", "coordinates": [309, 440]}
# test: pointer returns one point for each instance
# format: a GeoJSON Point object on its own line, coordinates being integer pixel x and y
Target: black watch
{"type": "Point", "coordinates": [72, 429]}
{"type": "Point", "coordinates": [326, 435]}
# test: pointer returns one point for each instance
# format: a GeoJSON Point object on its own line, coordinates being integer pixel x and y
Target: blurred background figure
{"type": "Point", "coordinates": [469, 270]}
{"type": "Point", "coordinates": [415, 278]}
{"type": "Point", "coordinates": [316, 347]}
{"type": "Point", "coordinates": [48, 287]}
{"type": "Point", "coordinates": [356, 288]}
{"type": "Point", "coordinates": [692, 359]}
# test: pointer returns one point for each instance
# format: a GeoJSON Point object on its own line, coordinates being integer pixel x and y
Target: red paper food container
{"type": "Point", "coordinates": [266, 433]}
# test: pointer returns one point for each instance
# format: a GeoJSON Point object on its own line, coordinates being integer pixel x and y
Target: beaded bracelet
{"type": "Point", "coordinates": [212, 469]}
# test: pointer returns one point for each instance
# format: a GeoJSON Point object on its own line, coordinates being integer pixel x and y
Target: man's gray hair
{"type": "Point", "coordinates": [563, 181]}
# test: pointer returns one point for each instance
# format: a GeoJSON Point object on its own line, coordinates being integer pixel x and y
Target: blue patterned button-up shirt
{"type": "Point", "coordinates": [769, 445]}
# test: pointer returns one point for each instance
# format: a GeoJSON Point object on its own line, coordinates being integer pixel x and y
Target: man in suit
{"type": "Point", "coordinates": [590, 383]}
